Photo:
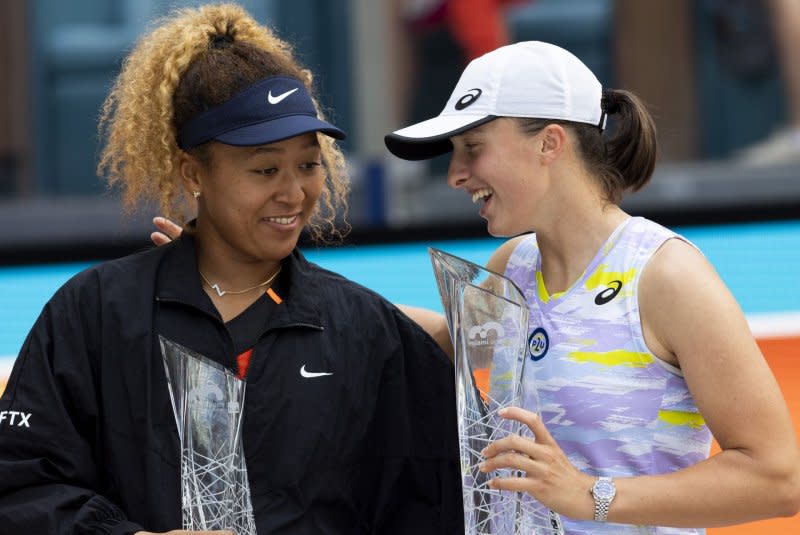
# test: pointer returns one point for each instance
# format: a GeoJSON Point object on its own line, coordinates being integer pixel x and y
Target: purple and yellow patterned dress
{"type": "Point", "coordinates": [613, 407]}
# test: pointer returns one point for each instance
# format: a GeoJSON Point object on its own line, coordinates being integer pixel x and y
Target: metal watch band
{"type": "Point", "coordinates": [601, 510]}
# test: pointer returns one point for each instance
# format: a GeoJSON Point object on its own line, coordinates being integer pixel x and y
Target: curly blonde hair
{"type": "Point", "coordinates": [194, 59]}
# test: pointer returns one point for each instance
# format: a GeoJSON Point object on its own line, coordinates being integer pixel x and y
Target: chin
{"type": "Point", "coordinates": [498, 231]}
{"type": "Point", "coordinates": [271, 250]}
{"type": "Point", "coordinates": [280, 251]}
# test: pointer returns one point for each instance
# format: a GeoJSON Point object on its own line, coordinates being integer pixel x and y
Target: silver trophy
{"type": "Point", "coordinates": [487, 318]}
{"type": "Point", "coordinates": [207, 400]}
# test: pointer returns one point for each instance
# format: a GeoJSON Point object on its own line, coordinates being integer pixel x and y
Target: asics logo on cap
{"type": "Point", "coordinates": [277, 99]}
{"type": "Point", "coordinates": [471, 96]}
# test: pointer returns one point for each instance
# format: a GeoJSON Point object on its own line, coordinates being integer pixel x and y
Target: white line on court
{"type": "Point", "coordinates": [775, 325]}
{"type": "Point", "coordinates": [6, 362]}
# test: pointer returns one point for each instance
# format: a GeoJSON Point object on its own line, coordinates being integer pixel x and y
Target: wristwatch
{"type": "Point", "coordinates": [603, 492]}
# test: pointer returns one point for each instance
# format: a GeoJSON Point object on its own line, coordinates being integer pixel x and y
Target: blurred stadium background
{"type": "Point", "coordinates": [707, 68]}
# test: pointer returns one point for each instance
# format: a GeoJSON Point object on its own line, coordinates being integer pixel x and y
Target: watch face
{"type": "Point", "coordinates": [604, 489]}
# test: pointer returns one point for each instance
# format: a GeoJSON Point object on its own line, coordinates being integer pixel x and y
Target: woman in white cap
{"type": "Point", "coordinates": [640, 352]}
{"type": "Point", "coordinates": [212, 105]}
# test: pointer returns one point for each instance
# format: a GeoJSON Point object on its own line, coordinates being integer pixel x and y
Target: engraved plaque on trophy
{"type": "Point", "coordinates": [487, 317]}
{"type": "Point", "coordinates": [207, 400]}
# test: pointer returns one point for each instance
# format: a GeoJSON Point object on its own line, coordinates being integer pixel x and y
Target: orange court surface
{"type": "Point", "coordinates": [783, 356]}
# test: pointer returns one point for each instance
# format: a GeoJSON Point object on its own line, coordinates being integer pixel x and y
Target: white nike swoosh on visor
{"type": "Point", "coordinates": [277, 99]}
{"type": "Point", "coordinates": [308, 375]}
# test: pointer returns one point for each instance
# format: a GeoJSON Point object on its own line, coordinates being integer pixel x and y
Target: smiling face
{"type": "Point", "coordinates": [499, 166]}
{"type": "Point", "coordinates": [255, 201]}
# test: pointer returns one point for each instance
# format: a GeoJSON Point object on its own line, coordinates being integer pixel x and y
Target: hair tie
{"type": "Point", "coordinates": [609, 103]}
{"type": "Point", "coordinates": [221, 41]}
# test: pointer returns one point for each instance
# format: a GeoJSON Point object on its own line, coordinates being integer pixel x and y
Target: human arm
{"type": "Point", "coordinates": [412, 444]}
{"type": "Point", "coordinates": [49, 440]}
{"type": "Point", "coordinates": [688, 317]}
{"type": "Point", "coordinates": [689, 313]}
{"type": "Point", "coordinates": [433, 323]}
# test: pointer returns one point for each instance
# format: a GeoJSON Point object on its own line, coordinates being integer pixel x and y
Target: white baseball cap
{"type": "Point", "coordinates": [528, 79]}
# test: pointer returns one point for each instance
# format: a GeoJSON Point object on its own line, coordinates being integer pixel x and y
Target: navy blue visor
{"type": "Point", "coordinates": [271, 110]}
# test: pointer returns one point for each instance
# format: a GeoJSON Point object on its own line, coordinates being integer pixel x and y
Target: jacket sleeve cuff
{"type": "Point", "coordinates": [101, 517]}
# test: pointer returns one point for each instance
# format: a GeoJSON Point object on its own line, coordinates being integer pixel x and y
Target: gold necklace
{"type": "Point", "coordinates": [239, 292]}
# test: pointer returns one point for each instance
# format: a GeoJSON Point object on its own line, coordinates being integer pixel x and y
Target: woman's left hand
{"type": "Point", "coordinates": [547, 474]}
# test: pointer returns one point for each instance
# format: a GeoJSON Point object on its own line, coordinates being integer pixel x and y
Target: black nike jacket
{"type": "Point", "coordinates": [88, 440]}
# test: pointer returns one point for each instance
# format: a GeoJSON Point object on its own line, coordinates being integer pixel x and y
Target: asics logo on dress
{"type": "Point", "coordinates": [310, 375]}
{"type": "Point", "coordinates": [277, 99]}
{"type": "Point", "coordinates": [15, 418]}
{"type": "Point", "coordinates": [609, 293]}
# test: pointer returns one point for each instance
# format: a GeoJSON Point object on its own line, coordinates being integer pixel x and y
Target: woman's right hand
{"type": "Point", "coordinates": [167, 231]}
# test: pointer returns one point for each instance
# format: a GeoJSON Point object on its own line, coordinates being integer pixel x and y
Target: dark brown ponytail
{"type": "Point", "coordinates": [632, 149]}
{"type": "Point", "coordinates": [622, 162]}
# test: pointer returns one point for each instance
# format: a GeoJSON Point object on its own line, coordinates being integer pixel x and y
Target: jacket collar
{"type": "Point", "coordinates": [298, 285]}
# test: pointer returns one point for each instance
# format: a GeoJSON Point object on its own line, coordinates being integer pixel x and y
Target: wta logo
{"type": "Point", "coordinates": [479, 335]}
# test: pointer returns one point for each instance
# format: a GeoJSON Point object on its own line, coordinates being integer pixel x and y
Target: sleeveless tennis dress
{"type": "Point", "coordinates": [613, 407]}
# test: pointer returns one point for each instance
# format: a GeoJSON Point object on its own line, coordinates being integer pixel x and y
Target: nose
{"type": "Point", "coordinates": [457, 172]}
{"type": "Point", "coordinates": [291, 191]}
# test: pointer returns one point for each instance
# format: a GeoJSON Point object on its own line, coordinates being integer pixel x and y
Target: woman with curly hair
{"type": "Point", "coordinates": [346, 397]}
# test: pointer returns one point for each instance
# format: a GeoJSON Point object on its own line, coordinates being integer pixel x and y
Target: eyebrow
{"type": "Point", "coordinates": [272, 148]}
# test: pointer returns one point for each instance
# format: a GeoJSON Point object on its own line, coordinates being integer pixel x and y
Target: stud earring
{"type": "Point", "coordinates": [196, 194]}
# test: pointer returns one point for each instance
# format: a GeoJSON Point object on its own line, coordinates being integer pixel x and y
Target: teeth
{"type": "Point", "coordinates": [481, 194]}
{"type": "Point", "coordinates": [282, 220]}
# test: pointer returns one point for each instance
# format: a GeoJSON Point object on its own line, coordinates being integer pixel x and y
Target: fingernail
{"type": "Point", "coordinates": [502, 412]}
{"type": "Point", "coordinates": [483, 451]}
{"type": "Point", "coordinates": [482, 467]}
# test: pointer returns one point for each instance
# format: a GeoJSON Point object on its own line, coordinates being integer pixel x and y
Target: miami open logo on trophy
{"type": "Point", "coordinates": [487, 317]}
{"type": "Point", "coordinates": [207, 400]}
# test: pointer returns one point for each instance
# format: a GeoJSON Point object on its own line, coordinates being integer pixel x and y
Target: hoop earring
{"type": "Point", "coordinates": [196, 194]}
